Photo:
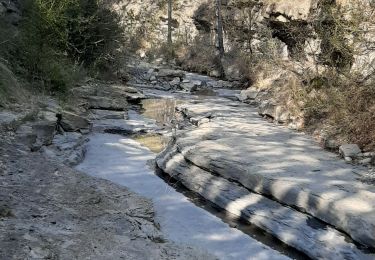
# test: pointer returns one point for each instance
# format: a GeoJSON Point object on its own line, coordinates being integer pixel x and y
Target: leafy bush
{"type": "Point", "coordinates": [58, 40]}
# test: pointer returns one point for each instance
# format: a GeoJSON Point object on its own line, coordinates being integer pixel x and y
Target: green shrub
{"type": "Point", "coordinates": [58, 40]}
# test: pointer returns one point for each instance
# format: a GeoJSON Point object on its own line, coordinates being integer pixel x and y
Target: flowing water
{"type": "Point", "coordinates": [184, 217]}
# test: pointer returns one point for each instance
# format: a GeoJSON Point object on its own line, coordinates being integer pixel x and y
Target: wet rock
{"type": "Point", "coordinates": [349, 150]}
{"type": "Point", "coordinates": [71, 122]}
{"type": "Point", "coordinates": [169, 73]}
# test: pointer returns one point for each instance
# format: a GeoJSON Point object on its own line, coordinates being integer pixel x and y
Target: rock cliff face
{"type": "Point", "coordinates": [249, 25]}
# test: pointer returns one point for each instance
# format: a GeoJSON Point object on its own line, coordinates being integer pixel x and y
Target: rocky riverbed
{"type": "Point", "coordinates": [221, 149]}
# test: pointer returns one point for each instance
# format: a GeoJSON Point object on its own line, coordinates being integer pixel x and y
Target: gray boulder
{"type": "Point", "coordinates": [349, 150]}
{"type": "Point", "coordinates": [107, 103]}
{"type": "Point", "coordinates": [71, 122]}
{"type": "Point", "coordinates": [97, 114]}
{"type": "Point", "coordinates": [267, 108]}
{"type": "Point", "coordinates": [248, 94]}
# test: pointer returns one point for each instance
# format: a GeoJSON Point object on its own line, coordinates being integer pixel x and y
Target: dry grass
{"type": "Point", "coordinates": [10, 90]}
{"type": "Point", "coordinates": [156, 143]}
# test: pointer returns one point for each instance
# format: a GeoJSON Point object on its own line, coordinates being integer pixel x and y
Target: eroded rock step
{"type": "Point", "coordinates": [290, 226]}
{"type": "Point", "coordinates": [233, 143]}
{"type": "Point", "coordinates": [283, 164]}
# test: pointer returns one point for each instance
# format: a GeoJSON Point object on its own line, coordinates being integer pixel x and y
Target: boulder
{"type": "Point", "coordinates": [97, 114]}
{"type": "Point", "coordinates": [248, 94]}
{"type": "Point", "coordinates": [68, 148]}
{"type": "Point", "coordinates": [187, 86]}
{"type": "Point", "coordinates": [282, 115]}
{"type": "Point", "coordinates": [107, 103]}
{"type": "Point", "coordinates": [169, 73]}
{"type": "Point", "coordinates": [48, 116]}
{"type": "Point", "coordinates": [45, 131]}
{"type": "Point", "coordinates": [71, 122]}
{"type": "Point", "coordinates": [267, 108]}
{"type": "Point", "coordinates": [349, 150]}
{"type": "Point", "coordinates": [331, 144]}
{"type": "Point", "coordinates": [176, 81]}
{"type": "Point", "coordinates": [232, 71]}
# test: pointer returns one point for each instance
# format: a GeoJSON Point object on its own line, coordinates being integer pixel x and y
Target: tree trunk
{"type": "Point", "coordinates": [170, 6]}
{"type": "Point", "coordinates": [219, 24]}
{"type": "Point", "coordinates": [220, 39]}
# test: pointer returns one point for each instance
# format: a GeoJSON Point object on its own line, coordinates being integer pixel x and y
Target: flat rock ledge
{"type": "Point", "coordinates": [50, 211]}
{"type": "Point", "coordinates": [275, 178]}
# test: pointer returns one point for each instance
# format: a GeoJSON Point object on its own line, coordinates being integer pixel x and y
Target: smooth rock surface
{"type": "Point", "coordinates": [124, 161]}
{"type": "Point", "coordinates": [238, 145]}
{"type": "Point", "coordinates": [290, 226]}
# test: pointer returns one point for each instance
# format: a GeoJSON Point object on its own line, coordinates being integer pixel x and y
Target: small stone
{"type": "Point", "coordinates": [348, 159]}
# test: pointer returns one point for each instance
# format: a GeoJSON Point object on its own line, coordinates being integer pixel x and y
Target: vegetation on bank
{"type": "Point", "coordinates": [57, 43]}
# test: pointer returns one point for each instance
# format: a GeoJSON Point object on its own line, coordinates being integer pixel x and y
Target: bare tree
{"type": "Point", "coordinates": [170, 8]}
{"type": "Point", "coordinates": [219, 25]}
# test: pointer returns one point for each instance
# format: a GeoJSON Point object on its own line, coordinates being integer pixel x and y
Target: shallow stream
{"type": "Point", "coordinates": [184, 217]}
